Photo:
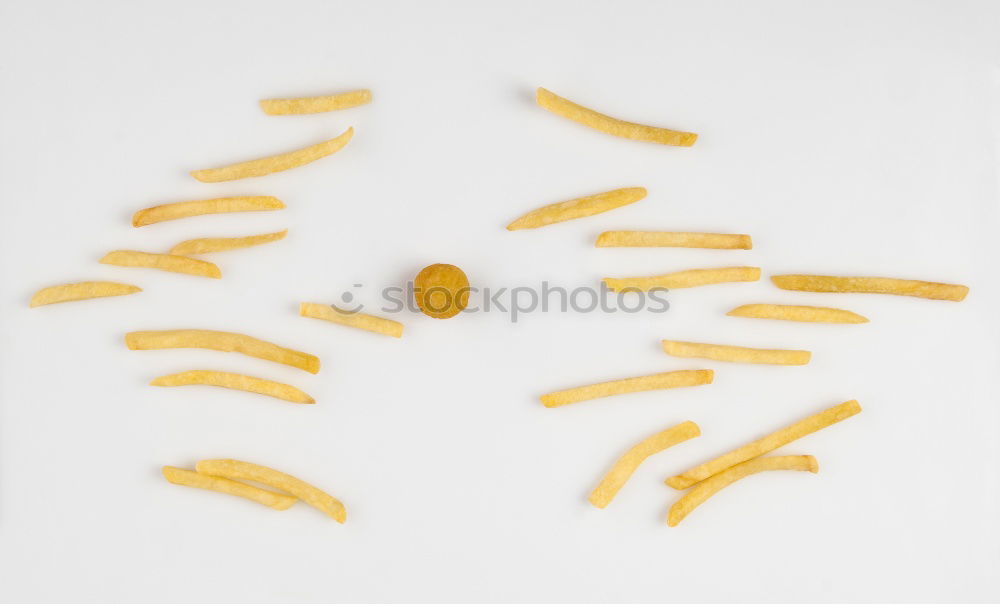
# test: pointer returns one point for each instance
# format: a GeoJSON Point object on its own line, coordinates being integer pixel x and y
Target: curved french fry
{"type": "Point", "coordinates": [656, 381]}
{"type": "Point", "coordinates": [718, 241]}
{"type": "Point", "coordinates": [316, 104]}
{"type": "Point", "coordinates": [697, 496]}
{"type": "Point", "coordinates": [85, 290]}
{"type": "Point", "coordinates": [619, 474]}
{"type": "Point", "coordinates": [275, 163]}
{"type": "Point", "coordinates": [188, 478]}
{"type": "Point", "coordinates": [220, 205]}
{"type": "Point", "coordinates": [223, 341]}
{"type": "Point", "coordinates": [607, 124]}
{"type": "Point", "coordinates": [578, 208]}
{"type": "Point", "coordinates": [194, 247]}
{"type": "Point", "coordinates": [231, 468]}
{"type": "Point", "coordinates": [163, 262]}
{"type": "Point", "coordinates": [808, 314]}
{"type": "Point", "coordinates": [689, 278]}
{"type": "Point", "coordinates": [736, 354]}
{"type": "Point", "coordinates": [872, 285]}
{"type": "Point", "coordinates": [235, 381]}
{"type": "Point", "coordinates": [332, 314]}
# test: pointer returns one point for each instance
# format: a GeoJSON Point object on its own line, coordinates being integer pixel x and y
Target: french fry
{"type": "Point", "coordinates": [163, 262]}
{"type": "Point", "coordinates": [710, 486]}
{"type": "Point", "coordinates": [188, 478]}
{"type": "Point", "coordinates": [718, 241]}
{"type": "Point", "coordinates": [194, 247]}
{"type": "Point", "coordinates": [220, 205]}
{"type": "Point", "coordinates": [316, 104]}
{"type": "Point", "coordinates": [808, 314]}
{"type": "Point", "coordinates": [242, 470]}
{"type": "Point", "coordinates": [736, 354]}
{"type": "Point", "coordinates": [85, 290]}
{"type": "Point", "coordinates": [235, 381]}
{"type": "Point", "coordinates": [609, 125]}
{"type": "Point", "coordinates": [690, 278]}
{"type": "Point", "coordinates": [623, 469]}
{"type": "Point", "coordinates": [656, 381]}
{"type": "Point", "coordinates": [223, 341]}
{"type": "Point", "coordinates": [766, 444]}
{"type": "Point", "coordinates": [578, 208]}
{"type": "Point", "coordinates": [275, 163]}
{"type": "Point", "coordinates": [359, 320]}
{"type": "Point", "coordinates": [872, 285]}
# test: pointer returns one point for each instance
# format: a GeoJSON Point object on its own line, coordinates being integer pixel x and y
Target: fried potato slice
{"type": "Point", "coordinates": [807, 314]}
{"type": "Point", "coordinates": [710, 486]}
{"type": "Point", "coordinates": [772, 441]}
{"type": "Point", "coordinates": [223, 341]}
{"type": "Point", "coordinates": [189, 478]}
{"type": "Point", "coordinates": [235, 381]}
{"type": "Point", "coordinates": [163, 262]}
{"type": "Point", "coordinates": [316, 104]}
{"type": "Point", "coordinates": [333, 314]}
{"type": "Point", "coordinates": [243, 470]}
{"type": "Point", "coordinates": [626, 465]}
{"type": "Point", "coordinates": [736, 354]}
{"type": "Point", "coordinates": [578, 208]}
{"type": "Point", "coordinates": [71, 292]}
{"type": "Point", "coordinates": [689, 278]}
{"type": "Point", "coordinates": [718, 241]}
{"type": "Point", "coordinates": [656, 381]}
{"type": "Point", "coordinates": [219, 205]}
{"type": "Point", "coordinates": [275, 163]}
{"type": "Point", "coordinates": [872, 285]}
{"type": "Point", "coordinates": [609, 125]}
{"type": "Point", "coordinates": [207, 245]}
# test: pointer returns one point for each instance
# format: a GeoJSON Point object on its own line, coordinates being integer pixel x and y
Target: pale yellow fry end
{"type": "Point", "coordinates": [359, 320]}
{"type": "Point", "coordinates": [656, 381]}
{"type": "Point", "coordinates": [221, 205]}
{"type": "Point", "coordinates": [808, 314]}
{"type": "Point", "coordinates": [163, 262]}
{"type": "Point", "coordinates": [85, 290]}
{"type": "Point", "coordinates": [736, 354]}
{"type": "Point", "coordinates": [718, 241]}
{"type": "Point", "coordinates": [316, 104]}
{"type": "Point", "coordinates": [234, 381]}
{"type": "Point", "coordinates": [689, 278]}
{"type": "Point", "coordinates": [223, 341]}
{"type": "Point", "coordinates": [872, 285]}
{"type": "Point", "coordinates": [189, 478]}
{"type": "Point", "coordinates": [275, 163]}
{"type": "Point", "coordinates": [194, 247]}
{"type": "Point", "coordinates": [578, 208]}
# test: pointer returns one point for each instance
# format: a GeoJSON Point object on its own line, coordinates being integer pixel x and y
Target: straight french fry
{"type": "Point", "coordinates": [766, 444]}
{"type": "Point", "coordinates": [242, 470]}
{"type": "Point", "coordinates": [609, 125]}
{"type": "Point", "coordinates": [316, 104]}
{"type": "Point", "coordinates": [710, 486]}
{"type": "Point", "coordinates": [275, 163]}
{"type": "Point", "coordinates": [163, 262]}
{"type": "Point", "coordinates": [690, 278]}
{"type": "Point", "coordinates": [626, 465]}
{"type": "Point", "coordinates": [188, 478]}
{"type": "Point", "coordinates": [736, 354]}
{"type": "Point", "coordinates": [578, 208]}
{"type": "Point", "coordinates": [223, 341]}
{"type": "Point", "coordinates": [808, 314]}
{"type": "Point", "coordinates": [718, 241]}
{"type": "Point", "coordinates": [872, 285]}
{"type": "Point", "coordinates": [220, 205]}
{"type": "Point", "coordinates": [86, 290]}
{"type": "Point", "coordinates": [234, 381]}
{"type": "Point", "coordinates": [330, 313]}
{"type": "Point", "coordinates": [194, 247]}
{"type": "Point", "coordinates": [656, 381]}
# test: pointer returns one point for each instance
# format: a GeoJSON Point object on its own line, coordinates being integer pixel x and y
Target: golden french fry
{"type": "Point", "coordinates": [194, 247]}
{"type": "Point", "coordinates": [690, 278]}
{"type": "Point", "coordinates": [163, 262]}
{"type": "Point", "coordinates": [808, 314]}
{"type": "Point", "coordinates": [736, 354]}
{"type": "Point", "coordinates": [86, 290]}
{"type": "Point", "coordinates": [275, 163]}
{"type": "Point", "coordinates": [333, 314]}
{"type": "Point", "coordinates": [772, 441]}
{"type": "Point", "coordinates": [656, 381]}
{"type": "Point", "coordinates": [578, 208]}
{"type": "Point", "coordinates": [607, 124]}
{"type": "Point", "coordinates": [710, 486]}
{"type": "Point", "coordinates": [316, 104]}
{"type": "Point", "coordinates": [872, 285]}
{"type": "Point", "coordinates": [220, 205]}
{"type": "Point", "coordinates": [615, 479]}
{"type": "Point", "coordinates": [718, 241]}
{"type": "Point", "coordinates": [189, 478]}
{"type": "Point", "coordinates": [223, 341]}
{"type": "Point", "coordinates": [222, 379]}
{"type": "Point", "coordinates": [243, 470]}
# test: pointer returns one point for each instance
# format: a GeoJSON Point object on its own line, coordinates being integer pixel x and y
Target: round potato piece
{"type": "Point", "coordinates": [441, 290]}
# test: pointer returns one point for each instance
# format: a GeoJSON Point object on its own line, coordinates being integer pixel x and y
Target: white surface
{"type": "Point", "coordinates": [846, 137]}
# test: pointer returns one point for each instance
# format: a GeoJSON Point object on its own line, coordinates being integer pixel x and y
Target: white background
{"type": "Point", "coordinates": [845, 137]}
